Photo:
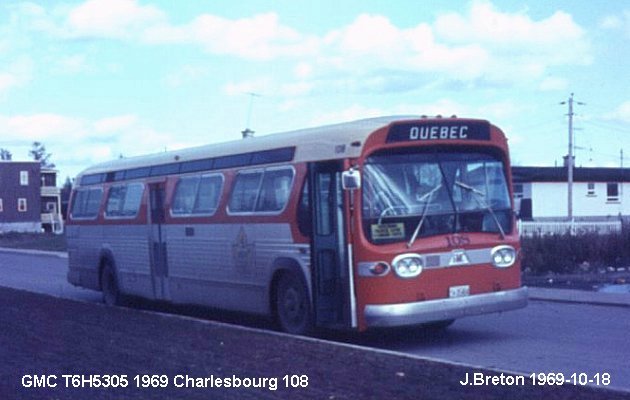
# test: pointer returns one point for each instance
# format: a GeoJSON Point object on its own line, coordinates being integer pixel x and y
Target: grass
{"type": "Point", "coordinates": [33, 241]}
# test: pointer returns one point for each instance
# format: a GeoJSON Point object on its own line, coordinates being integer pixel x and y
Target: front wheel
{"type": "Point", "coordinates": [439, 325]}
{"type": "Point", "coordinates": [293, 308]}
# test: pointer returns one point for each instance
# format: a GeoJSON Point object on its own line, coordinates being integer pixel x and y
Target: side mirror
{"type": "Point", "coordinates": [351, 179]}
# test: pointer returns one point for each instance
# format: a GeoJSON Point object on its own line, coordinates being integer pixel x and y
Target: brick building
{"type": "Point", "coordinates": [20, 196]}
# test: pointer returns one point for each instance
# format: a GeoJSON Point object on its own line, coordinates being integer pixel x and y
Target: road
{"type": "Point", "coordinates": [545, 337]}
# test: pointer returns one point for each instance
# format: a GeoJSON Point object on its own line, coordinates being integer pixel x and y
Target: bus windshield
{"type": "Point", "coordinates": [418, 194]}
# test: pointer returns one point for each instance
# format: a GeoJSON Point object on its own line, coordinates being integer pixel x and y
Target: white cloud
{"type": "Point", "coordinates": [478, 46]}
{"type": "Point", "coordinates": [184, 75]}
{"type": "Point", "coordinates": [77, 143]}
{"type": "Point", "coordinates": [303, 70]}
{"type": "Point", "coordinates": [618, 22]}
{"type": "Point", "coordinates": [621, 113]}
{"type": "Point", "coordinates": [257, 86]}
{"type": "Point", "coordinates": [72, 64]}
{"type": "Point", "coordinates": [552, 83]}
{"type": "Point", "coordinates": [115, 124]}
{"type": "Point", "coordinates": [15, 74]}
{"type": "Point", "coordinates": [260, 37]}
{"type": "Point", "coordinates": [40, 127]}
{"type": "Point", "coordinates": [111, 18]}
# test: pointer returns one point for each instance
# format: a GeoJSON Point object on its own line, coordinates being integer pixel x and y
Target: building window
{"type": "Point", "coordinates": [1, 207]}
{"type": "Point", "coordinates": [22, 204]}
{"type": "Point", "coordinates": [590, 189]}
{"type": "Point", "coordinates": [24, 178]}
{"type": "Point", "coordinates": [612, 191]}
{"type": "Point", "coordinates": [518, 190]}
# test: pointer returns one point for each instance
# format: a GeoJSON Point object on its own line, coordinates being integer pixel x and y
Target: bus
{"type": "Point", "coordinates": [376, 223]}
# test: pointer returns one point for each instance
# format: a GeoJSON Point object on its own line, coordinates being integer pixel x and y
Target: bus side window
{"type": "Point", "coordinates": [305, 223]}
{"type": "Point", "coordinates": [208, 194]}
{"type": "Point", "coordinates": [124, 200]}
{"type": "Point", "coordinates": [275, 190]}
{"type": "Point", "coordinates": [86, 203]}
{"type": "Point", "coordinates": [245, 192]}
{"type": "Point", "coordinates": [185, 193]}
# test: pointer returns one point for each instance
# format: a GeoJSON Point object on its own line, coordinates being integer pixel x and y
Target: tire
{"type": "Point", "coordinates": [293, 308]}
{"type": "Point", "coordinates": [439, 325]}
{"type": "Point", "coordinates": [109, 285]}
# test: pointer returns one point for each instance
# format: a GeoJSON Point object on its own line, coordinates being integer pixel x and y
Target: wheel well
{"type": "Point", "coordinates": [282, 266]}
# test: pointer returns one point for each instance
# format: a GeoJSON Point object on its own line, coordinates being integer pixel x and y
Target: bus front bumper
{"type": "Point", "coordinates": [390, 315]}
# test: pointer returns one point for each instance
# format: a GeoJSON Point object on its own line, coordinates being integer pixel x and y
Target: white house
{"type": "Point", "coordinates": [599, 194]}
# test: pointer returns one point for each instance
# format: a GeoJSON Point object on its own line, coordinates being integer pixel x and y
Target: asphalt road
{"type": "Point", "coordinates": [545, 337]}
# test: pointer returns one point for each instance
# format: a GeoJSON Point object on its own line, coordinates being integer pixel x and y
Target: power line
{"type": "Point", "coordinates": [570, 157]}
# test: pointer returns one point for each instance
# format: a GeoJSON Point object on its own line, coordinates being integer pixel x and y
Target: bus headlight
{"type": "Point", "coordinates": [408, 265]}
{"type": "Point", "coordinates": [503, 256]}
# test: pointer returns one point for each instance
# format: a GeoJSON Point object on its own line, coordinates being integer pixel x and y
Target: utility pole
{"type": "Point", "coordinates": [570, 162]}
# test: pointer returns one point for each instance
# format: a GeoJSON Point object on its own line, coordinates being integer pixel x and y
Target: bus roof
{"type": "Point", "coordinates": [318, 143]}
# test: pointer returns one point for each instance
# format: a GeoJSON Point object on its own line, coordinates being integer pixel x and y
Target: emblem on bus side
{"type": "Point", "coordinates": [242, 251]}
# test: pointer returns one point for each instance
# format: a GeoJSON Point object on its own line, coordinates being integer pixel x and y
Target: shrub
{"type": "Point", "coordinates": [565, 253]}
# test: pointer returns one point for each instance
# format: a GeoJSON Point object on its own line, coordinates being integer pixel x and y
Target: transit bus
{"type": "Point", "coordinates": [381, 222]}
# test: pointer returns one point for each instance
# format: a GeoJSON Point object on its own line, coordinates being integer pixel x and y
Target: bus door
{"type": "Point", "coordinates": [330, 279]}
{"type": "Point", "coordinates": [157, 241]}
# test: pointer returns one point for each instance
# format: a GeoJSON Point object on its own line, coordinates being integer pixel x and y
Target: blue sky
{"type": "Point", "coordinates": [99, 78]}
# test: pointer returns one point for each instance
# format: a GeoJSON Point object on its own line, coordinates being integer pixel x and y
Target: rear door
{"type": "Point", "coordinates": [157, 241]}
{"type": "Point", "coordinates": [330, 272]}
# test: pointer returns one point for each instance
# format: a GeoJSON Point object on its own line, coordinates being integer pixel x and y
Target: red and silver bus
{"type": "Point", "coordinates": [380, 222]}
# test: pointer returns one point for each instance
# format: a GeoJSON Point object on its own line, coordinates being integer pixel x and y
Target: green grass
{"type": "Point", "coordinates": [33, 241]}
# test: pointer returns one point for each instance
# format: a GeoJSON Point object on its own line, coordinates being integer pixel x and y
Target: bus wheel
{"type": "Point", "coordinates": [109, 285]}
{"type": "Point", "coordinates": [439, 325]}
{"type": "Point", "coordinates": [292, 305]}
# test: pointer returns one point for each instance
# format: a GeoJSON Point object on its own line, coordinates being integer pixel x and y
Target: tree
{"type": "Point", "coordinates": [38, 153]}
{"type": "Point", "coordinates": [65, 195]}
{"type": "Point", "coordinates": [5, 155]}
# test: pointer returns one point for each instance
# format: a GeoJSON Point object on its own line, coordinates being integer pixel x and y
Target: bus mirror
{"type": "Point", "coordinates": [351, 179]}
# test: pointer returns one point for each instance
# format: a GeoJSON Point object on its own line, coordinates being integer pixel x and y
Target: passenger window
{"type": "Point", "coordinates": [86, 203]}
{"type": "Point", "coordinates": [245, 192]}
{"type": "Point", "coordinates": [197, 195]}
{"type": "Point", "coordinates": [185, 194]}
{"type": "Point", "coordinates": [124, 200]}
{"type": "Point", "coordinates": [208, 194]}
{"type": "Point", "coordinates": [93, 202]}
{"type": "Point", "coordinates": [275, 190]}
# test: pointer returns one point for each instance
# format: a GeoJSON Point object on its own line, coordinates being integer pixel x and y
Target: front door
{"type": "Point", "coordinates": [329, 272]}
{"type": "Point", "coordinates": [157, 241]}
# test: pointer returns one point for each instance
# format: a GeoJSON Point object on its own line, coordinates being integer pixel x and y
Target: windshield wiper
{"type": "Point", "coordinates": [429, 197]}
{"type": "Point", "coordinates": [480, 198]}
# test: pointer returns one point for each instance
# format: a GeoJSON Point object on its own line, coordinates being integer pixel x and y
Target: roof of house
{"type": "Point", "coordinates": [580, 174]}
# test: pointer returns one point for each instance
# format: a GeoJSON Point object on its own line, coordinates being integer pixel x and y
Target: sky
{"type": "Point", "coordinates": [93, 80]}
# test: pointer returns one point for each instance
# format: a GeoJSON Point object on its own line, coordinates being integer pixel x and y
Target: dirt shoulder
{"type": "Point", "coordinates": [42, 335]}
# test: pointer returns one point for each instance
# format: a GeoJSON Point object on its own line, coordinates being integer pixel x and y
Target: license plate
{"type": "Point", "coordinates": [459, 291]}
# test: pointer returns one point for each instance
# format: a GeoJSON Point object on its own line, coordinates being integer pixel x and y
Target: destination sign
{"type": "Point", "coordinates": [441, 131]}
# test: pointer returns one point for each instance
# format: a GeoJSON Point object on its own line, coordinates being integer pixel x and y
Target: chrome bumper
{"type": "Point", "coordinates": [438, 310]}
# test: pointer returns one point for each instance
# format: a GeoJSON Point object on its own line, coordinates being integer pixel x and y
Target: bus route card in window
{"type": "Point", "coordinates": [388, 231]}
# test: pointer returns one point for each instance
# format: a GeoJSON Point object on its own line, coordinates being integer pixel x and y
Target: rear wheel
{"type": "Point", "coordinates": [109, 285]}
{"type": "Point", "coordinates": [293, 308]}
